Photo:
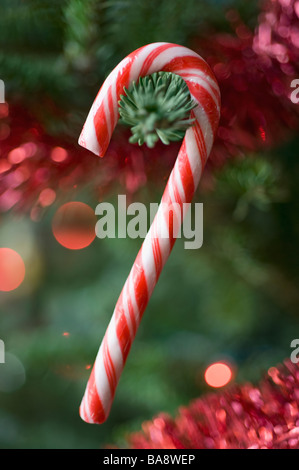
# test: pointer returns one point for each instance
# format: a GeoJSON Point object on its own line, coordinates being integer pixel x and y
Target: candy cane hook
{"type": "Point", "coordinates": [181, 185]}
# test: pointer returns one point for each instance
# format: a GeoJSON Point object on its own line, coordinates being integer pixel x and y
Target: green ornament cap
{"type": "Point", "coordinates": [157, 107]}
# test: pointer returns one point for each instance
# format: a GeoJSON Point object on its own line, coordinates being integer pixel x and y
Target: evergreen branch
{"type": "Point", "coordinates": [31, 25]}
{"type": "Point", "coordinates": [157, 107]}
{"type": "Point", "coordinates": [31, 77]}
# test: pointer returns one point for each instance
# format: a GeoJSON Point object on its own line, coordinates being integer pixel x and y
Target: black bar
{"type": "Point", "coordinates": [133, 458]}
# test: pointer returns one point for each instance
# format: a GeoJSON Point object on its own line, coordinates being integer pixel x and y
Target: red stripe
{"type": "Point", "coordinates": [122, 330]}
{"type": "Point", "coordinates": [100, 124]}
{"type": "Point", "coordinates": [177, 200]}
{"type": "Point", "coordinates": [189, 62]}
{"type": "Point", "coordinates": [200, 142]}
{"type": "Point", "coordinates": [111, 109]}
{"type": "Point", "coordinates": [185, 172]}
{"type": "Point", "coordinates": [206, 101]}
{"type": "Point", "coordinates": [171, 218]}
{"type": "Point", "coordinates": [188, 75]}
{"type": "Point", "coordinates": [130, 307]}
{"type": "Point", "coordinates": [82, 411]}
{"type": "Point", "coordinates": [167, 201]}
{"type": "Point", "coordinates": [122, 79]}
{"type": "Point", "coordinates": [140, 284]}
{"type": "Point", "coordinates": [112, 372]}
{"type": "Point", "coordinates": [85, 412]}
{"type": "Point", "coordinates": [100, 118]}
{"type": "Point", "coordinates": [176, 193]}
{"type": "Point", "coordinates": [157, 253]}
{"type": "Point", "coordinates": [202, 155]}
{"type": "Point", "coordinates": [95, 405]}
{"type": "Point", "coordinates": [151, 57]}
{"type": "Point", "coordinates": [199, 134]}
{"type": "Point", "coordinates": [109, 366]}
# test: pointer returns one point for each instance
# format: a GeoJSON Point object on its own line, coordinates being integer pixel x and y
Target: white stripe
{"type": "Point", "coordinates": [87, 413]}
{"type": "Point", "coordinates": [88, 138]}
{"type": "Point", "coordinates": [163, 229]}
{"type": "Point", "coordinates": [169, 54]}
{"type": "Point", "coordinates": [126, 310]}
{"type": "Point", "coordinates": [200, 73]}
{"type": "Point", "coordinates": [140, 59]}
{"type": "Point", "coordinates": [115, 104]}
{"type": "Point", "coordinates": [133, 299]}
{"type": "Point", "coordinates": [205, 126]}
{"type": "Point", "coordinates": [160, 230]}
{"type": "Point", "coordinates": [170, 187]}
{"type": "Point", "coordinates": [111, 80]}
{"type": "Point", "coordinates": [148, 264]}
{"type": "Point", "coordinates": [114, 347]}
{"type": "Point", "coordinates": [193, 153]}
{"type": "Point", "coordinates": [176, 205]}
{"type": "Point", "coordinates": [101, 381]}
{"type": "Point", "coordinates": [178, 182]}
{"type": "Point", "coordinates": [82, 412]}
{"type": "Point", "coordinates": [199, 80]}
{"type": "Point", "coordinates": [107, 116]}
{"type": "Point", "coordinates": [162, 226]}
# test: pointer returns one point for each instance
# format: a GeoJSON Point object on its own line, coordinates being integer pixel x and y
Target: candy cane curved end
{"type": "Point", "coordinates": [181, 185]}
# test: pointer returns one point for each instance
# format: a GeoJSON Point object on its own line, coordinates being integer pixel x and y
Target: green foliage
{"type": "Point", "coordinates": [61, 50]}
{"type": "Point", "coordinates": [158, 106]}
{"type": "Point", "coordinates": [133, 23]}
{"type": "Point", "coordinates": [253, 182]}
{"type": "Point", "coordinates": [33, 26]}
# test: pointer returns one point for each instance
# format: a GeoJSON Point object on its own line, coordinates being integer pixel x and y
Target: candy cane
{"type": "Point", "coordinates": [182, 183]}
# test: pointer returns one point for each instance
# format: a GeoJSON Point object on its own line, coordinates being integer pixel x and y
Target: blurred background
{"type": "Point", "coordinates": [235, 300]}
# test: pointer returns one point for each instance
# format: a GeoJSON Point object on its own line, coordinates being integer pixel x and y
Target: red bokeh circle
{"type": "Point", "coordinates": [12, 269]}
{"type": "Point", "coordinates": [218, 374]}
{"type": "Point", "coordinates": [73, 225]}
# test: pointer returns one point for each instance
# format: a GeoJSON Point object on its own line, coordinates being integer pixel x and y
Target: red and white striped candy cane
{"type": "Point", "coordinates": [180, 188]}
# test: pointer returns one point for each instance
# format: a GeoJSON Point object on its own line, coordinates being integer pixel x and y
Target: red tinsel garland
{"type": "Point", "coordinates": [255, 70]}
{"type": "Point", "coordinates": [243, 417]}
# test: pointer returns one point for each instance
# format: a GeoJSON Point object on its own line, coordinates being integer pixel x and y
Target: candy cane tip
{"type": "Point", "coordinates": [97, 415]}
{"type": "Point", "coordinates": [94, 150]}
{"type": "Point", "coordinates": [88, 140]}
{"type": "Point", "coordinates": [82, 414]}
{"type": "Point", "coordinates": [99, 420]}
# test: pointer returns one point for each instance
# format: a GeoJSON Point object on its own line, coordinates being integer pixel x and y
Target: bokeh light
{"type": "Point", "coordinates": [47, 197]}
{"type": "Point", "coordinates": [16, 155]}
{"type": "Point", "coordinates": [218, 374]}
{"type": "Point", "coordinates": [12, 269]}
{"type": "Point", "coordinates": [74, 224]}
{"type": "Point", "coordinates": [12, 374]}
{"type": "Point", "coordinates": [59, 154]}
